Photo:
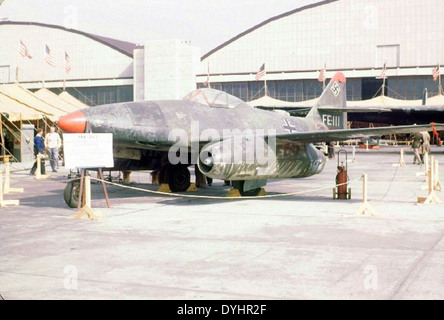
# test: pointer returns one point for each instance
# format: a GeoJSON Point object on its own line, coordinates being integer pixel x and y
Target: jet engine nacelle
{"type": "Point", "coordinates": [253, 158]}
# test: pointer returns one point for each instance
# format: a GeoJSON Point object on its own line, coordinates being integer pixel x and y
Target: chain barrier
{"type": "Point", "coordinates": [224, 198]}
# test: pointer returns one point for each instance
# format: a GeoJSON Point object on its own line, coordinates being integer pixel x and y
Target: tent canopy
{"type": "Point", "coordinates": [69, 98]}
{"type": "Point", "coordinates": [269, 101]}
{"type": "Point", "coordinates": [383, 101]}
{"type": "Point", "coordinates": [18, 111]}
{"type": "Point", "coordinates": [379, 101]}
{"type": "Point", "coordinates": [24, 96]}
{"type": "Point", "coordinates": [436, 101]}
{"type": "Point", "coordinates": [54, 100]}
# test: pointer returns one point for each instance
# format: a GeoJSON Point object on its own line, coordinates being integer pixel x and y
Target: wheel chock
{"type": "Point", "coordinates": [262, 193]}
{"type": "Point", "coordinates": [126, 177]}
{"type": "Point", "coordinates": [165, 188]}
{"type": "Point", "coordinates": [233, 193]}
{"type": "Point", "coordinates": [192, 188]}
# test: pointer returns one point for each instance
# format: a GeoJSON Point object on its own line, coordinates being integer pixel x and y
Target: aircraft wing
{"type": "Point", "coordinates": [304, 110]}
{"type": "Point", "coordinates": [345, 134]}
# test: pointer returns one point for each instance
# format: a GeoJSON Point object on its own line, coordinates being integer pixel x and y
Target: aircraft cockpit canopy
{"type": "Point", "coordinates": [214, 98]}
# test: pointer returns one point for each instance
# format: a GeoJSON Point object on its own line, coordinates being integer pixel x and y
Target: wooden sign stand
{"type": "Point", "coordinates": [84, 206]}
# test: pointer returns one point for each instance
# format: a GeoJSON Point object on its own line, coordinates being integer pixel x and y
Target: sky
{"type": "Point", "coordinates": [206, 23]}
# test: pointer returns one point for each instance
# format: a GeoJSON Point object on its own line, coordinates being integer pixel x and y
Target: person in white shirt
{"type": "Point", "coordinates": [53, 142]}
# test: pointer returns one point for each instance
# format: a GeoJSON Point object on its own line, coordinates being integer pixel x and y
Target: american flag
{"type": "Point", "coordinates": [24, 50]}
{"type": "Point", "coordinates": [383, 72]}
{"type": "Point", "coordinates": [67, 63]}
{"type": "Point", "coordinates": [322, 76]}
{"type": "Point", "coordinates": [436, 73]}
{"type": "Point", "coordinates": [48, 57]}
{"type": "Point", "coordinates": [261, 72]}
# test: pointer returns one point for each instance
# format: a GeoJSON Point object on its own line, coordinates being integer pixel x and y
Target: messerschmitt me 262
{"type": "Point", "coordinates": [222, 135]}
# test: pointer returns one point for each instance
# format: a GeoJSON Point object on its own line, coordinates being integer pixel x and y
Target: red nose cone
{"type": "Point", "coordinates": [73, 123]}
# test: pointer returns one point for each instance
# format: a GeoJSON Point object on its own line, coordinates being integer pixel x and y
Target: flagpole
{"type": "Point", "coordinates": [17, 67]}
{"type": "Point", "coordinates": [439, 79]}
{"type": "Point", "coordinates": [44, 66]}
{"type": "Point", "coordinates": [265, 80]}
{"type": "Point", "coordinates": [325, 77]}
{"type": "Point", "coordinates": [208, 75]}
{"type": "Point", "coordinates": [384, 78]}
{"type": "Point", "coordinates": [265, 85]}
{"type": "Point", "coordinates": [383, 86]}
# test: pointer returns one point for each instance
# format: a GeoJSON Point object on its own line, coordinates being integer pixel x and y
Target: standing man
{"type": "Point", "coordinates": [417, 145]}
{"type": "Point", "coordinates": [53, 142]}
{"type": "Point", "coordinates": [39, 149]}
{"type": "Point", "coordinates": [425, 145]}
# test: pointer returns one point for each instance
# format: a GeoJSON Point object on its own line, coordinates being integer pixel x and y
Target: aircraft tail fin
{"type": "Point", "coordinates": [334, 96]}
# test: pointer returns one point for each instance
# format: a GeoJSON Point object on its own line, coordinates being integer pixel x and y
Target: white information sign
{"type": "Point", "coordinates": [88, 150]}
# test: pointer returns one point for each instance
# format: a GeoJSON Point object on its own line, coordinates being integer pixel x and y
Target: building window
{"type": "Point", "coordinates": [411, 88]}
{"type": "Point", "coordinates": [96, 96]}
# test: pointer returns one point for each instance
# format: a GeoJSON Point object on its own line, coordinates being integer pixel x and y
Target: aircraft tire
{"type": "Point", "coordinates": [239, 185]}
{"type": "Point", "coordinates": [71, 193]}
{"type": "Point", "coordinates": [163, 174]}
{"type": "Point", "coordinates": [179, 178]}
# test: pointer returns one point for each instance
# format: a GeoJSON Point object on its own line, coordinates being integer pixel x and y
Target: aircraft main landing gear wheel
{"type": "Point", "coordinates": [176, 176]}
{"type": "Point", "coordinates": [239, 185]}
{"type": "Point", "coordinates": [71, 193]}
{"type": "Point", "coordinates": [179, 178]}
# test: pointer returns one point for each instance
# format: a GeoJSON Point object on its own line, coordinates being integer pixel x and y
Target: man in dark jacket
{"type": "Point", "coordinates": [39, 148]}
{"type": "Point", "coordinates": [417, 142]}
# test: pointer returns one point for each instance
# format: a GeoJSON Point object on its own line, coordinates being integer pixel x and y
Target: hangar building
{"type": "Point", "coordinates": [100, 69]}
{"type": "Point", "coordinates": [95, 69]}
{"type": "Point", "coordinates": [356, 37]}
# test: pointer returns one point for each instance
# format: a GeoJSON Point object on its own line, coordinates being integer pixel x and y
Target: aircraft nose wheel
{"type": "Point", "coordinates": [71, 193]}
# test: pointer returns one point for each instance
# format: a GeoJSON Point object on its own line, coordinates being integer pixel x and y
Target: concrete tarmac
{"type": "Point", "coordinates": [304, 246]}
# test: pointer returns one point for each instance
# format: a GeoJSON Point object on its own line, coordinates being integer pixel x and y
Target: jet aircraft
{"type": "Point", "coordinates": [143, 139]}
